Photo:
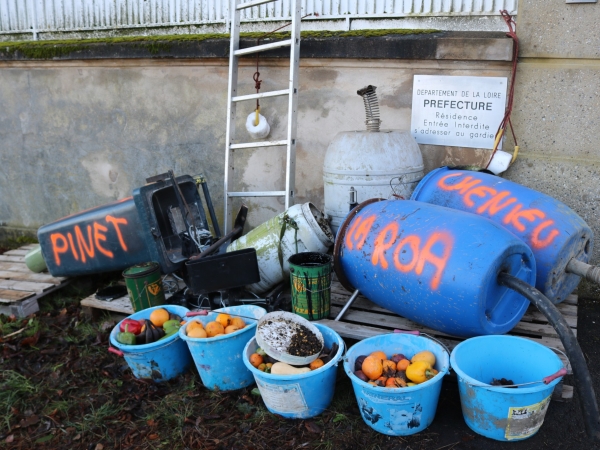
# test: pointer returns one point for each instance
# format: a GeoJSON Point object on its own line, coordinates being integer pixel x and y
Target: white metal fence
{"type": "Point", "coordinates": [36, 17]}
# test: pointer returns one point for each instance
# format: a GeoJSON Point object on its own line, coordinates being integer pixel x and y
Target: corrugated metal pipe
{"type": "Point", "coordinates": [371, 107]}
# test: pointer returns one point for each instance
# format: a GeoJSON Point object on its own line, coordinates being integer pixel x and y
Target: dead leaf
{"type": "Point", "coordinates": [77, 437]}
{"type": "Point", "coordinates": [31, 420]}
{"type": "Point", "coordinates": [99, 447]}
{"type": "Point", "coordinates": [10, 438]}
{"type": "Point", "coordinates": [312, 427]}
{"type": "Point", "coordinates": [153, 436]}
{"type": "Point", "coordinates": [152, 422]}
{"type": "Point", "coordinates": [31, 340]}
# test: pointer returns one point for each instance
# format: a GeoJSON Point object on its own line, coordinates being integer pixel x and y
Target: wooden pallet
{"type": "Point", "coordinates": [365, 319]}
{"type": "Point", "coordinates": [91, 305]}
{"type": "Point", "coordinates": [20, 288]}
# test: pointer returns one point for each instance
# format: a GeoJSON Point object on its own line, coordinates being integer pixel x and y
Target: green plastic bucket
{"type": "Point", "coordinates": [144, 285]}
{"type": "Point", "coordinates": [310, 276]}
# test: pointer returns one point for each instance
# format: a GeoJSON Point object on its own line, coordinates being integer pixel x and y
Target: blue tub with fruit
{"type": "Point", "coordinates": [153, 350]}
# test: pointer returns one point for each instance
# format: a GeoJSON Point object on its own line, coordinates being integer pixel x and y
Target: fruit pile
{"type": "Point", "coordinates": [397, 371]}
{"type": "Point", "coordinates": [223, 324]}
{"type": "Point", "coordinates": [265, 363]}
{"type": "Point", "coordinates": [161, 325]}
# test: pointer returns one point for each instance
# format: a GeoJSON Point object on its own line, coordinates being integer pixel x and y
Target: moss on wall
{"type": "Point", "coordinates": [160, 44]}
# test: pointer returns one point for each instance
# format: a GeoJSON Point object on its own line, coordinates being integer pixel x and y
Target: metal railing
{"type": "Point", "coordinates": [43, 19]}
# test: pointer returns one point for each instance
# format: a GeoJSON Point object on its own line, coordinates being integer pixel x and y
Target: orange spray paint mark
{"type": "Point", "coordinates": [58, 249]}
{"type": "Point", "coordinates": [116, 221]}
{"type": "Point", "coordinates": [362, 231]}
{"type": "Point", "coordinates": [494, 205]}
{"type": "Point", "coordinates": [348, 238]}
{"type": "Point", "coordinates": [479, 191]}
{"type": "Point", "coordinates": [72, 245]}
{"type": "Point", "coordinates": [98, 236]}
{"type": "Point", "coordinates": [462, 186]}
{"type": "Point", "coordinates": [380, 245]}
{"type": "Point", "coordinates": [413, 243]}
{"type": "Point", "coordinates": [536, 242]}
{"type": "Point", "coordinates": [83, 245]}
{"type": "Point", "coordinates": [426, 256]}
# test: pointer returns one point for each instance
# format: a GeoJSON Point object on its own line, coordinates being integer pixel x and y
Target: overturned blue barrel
{"type": "Point", "coordinates": [555, 233]}
{"type": "Point", "coordinates": [434, 265]}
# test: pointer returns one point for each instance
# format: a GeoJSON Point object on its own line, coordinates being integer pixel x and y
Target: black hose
{"type": "Point", "coordinates": [583, 381]}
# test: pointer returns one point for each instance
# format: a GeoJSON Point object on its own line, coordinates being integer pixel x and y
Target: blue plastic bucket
{"type": "Point", "coordinates": [398, 411]}
{"type": "Point", "coordinates": [219, 359]}
{"type": "Point", "coordinates": [160, 360]}
{"type": "Point", "coordinates": [504, 414]}
{"type": "Point", "coordinates": [303, 395]}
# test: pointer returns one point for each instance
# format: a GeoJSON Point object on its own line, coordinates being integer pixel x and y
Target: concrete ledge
{"type": "Point", "coordinates": [365, 44]}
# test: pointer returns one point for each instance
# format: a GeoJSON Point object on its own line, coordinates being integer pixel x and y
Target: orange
{"type": "Point", "coordinates": [224, 319]}
{"type": "Point", "coordinates": [379, 354]}
{"type": "Point", "coordinates": [316, 364]}
{"type": "Point", "coordinates": [159, 316]}
{"type": "Point", "coordinates": [231, 329]}
{"type": "Point", "coordinates": [372, 367]}
{"type": "Point", "coordinates": [238, 322]}
{"type": "Point", "coordinates": [255, 359]}
{"type": "Point", "coordinates": [194, 324]}
{"type": "Point", "coordinates": [402, 364]}
{"type": "Point", "coordinates": [395, 382]}
{"type": "Point", "coordinates": [197, 333]}
{"type": "Point", "coordinates": [214, 328]}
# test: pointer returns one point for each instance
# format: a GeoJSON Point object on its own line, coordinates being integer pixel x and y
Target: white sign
{"type": "Point", "coordinates": [457, 111]}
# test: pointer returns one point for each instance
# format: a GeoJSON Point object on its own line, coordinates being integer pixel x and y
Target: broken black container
{"type": "Point", "coordinates": [222, 271]}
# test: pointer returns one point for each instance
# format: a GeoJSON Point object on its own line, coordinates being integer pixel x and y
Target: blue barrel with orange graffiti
{"type": "Point", "coordinates": [433, 265]}
{"type": "Point", "coordinates": [555, 233]}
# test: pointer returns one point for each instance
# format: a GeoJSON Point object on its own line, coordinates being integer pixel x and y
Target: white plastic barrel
{"type": "Point", "coordinates": [371, 162]}
{"type": "Point", "coordinates": [304, 229]}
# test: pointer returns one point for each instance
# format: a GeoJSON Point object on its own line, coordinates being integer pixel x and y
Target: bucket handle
{"type": "Point", "coordinates": [569, 369]}
{"type": "Point", "coordinates": [418, 333]}
{"type": "Point", "coordinates": [546, 380]}
{"type": "Point", "coordinates": [115, 351]}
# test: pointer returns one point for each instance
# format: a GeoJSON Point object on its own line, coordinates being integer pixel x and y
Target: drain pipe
{"type": "Point", "coordinates": [590, 273]}
{"type": "Point", "coordinates": [583, 381]}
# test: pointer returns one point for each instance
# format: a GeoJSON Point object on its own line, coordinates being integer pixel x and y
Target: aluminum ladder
{"type": "Point", "coordinates": [232, 99]}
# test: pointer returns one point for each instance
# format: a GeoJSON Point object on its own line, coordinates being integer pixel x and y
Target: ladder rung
{"type": "Point", "coordinates": [258, 144]}
{"type": "Point", "coordinates": [264, 47]}
{"type": "Point", "coordinates": [241, 98]}
{"type": "Point", "coordinates": [257, 194]}
{"type": "Point", "coordinates": [251, 4]}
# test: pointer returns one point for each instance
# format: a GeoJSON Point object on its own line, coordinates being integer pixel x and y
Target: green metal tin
{"type": "Point", "coordinates": [144, 285]}
{"type": "Point", "coordinates": [310, 277]}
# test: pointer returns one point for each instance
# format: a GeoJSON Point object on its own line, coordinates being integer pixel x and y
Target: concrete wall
{"type": "Point", "coordinates": [557, 105]}
{"type": "Point", "coordinates": [78, 134]}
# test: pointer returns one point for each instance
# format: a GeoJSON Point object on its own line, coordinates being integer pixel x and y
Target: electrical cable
{"type": "Point", "coordinates": [583, 380]}
{"type": "Point", "coordinates": [512, 33]}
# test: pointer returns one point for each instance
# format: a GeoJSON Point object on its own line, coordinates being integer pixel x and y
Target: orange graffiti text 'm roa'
{"type": "Point", "coordinates": [487, 200]}
{"type": "Point", "coordinates": [88, 242]}
{"type": "Point", "coordinates": [406, 253]}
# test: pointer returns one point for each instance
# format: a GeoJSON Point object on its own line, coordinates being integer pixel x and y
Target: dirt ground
{"type": "Point", "coordinates": [61, 389]}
